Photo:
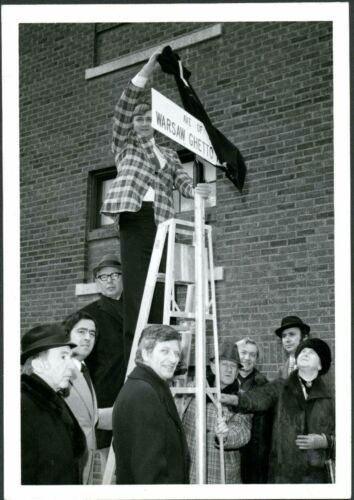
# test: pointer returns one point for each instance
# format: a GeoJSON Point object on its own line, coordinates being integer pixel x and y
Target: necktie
{"type": "Point", "coordinates": [85, 373]}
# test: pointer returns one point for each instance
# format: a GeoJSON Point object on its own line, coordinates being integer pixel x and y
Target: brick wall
{"type": "Point", "coordinates": [268, 87]}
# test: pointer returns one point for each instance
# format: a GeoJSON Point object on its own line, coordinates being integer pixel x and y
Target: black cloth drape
{"type": "Point", "coordinates": [228, 154]}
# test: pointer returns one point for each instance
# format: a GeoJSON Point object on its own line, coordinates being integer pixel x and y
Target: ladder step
{"type": "Point", "coordinates": [161, 279]}
{"type": "Point", "coordinates": [191, 390]}
{"type": "Point", "coordinates": [187, 315]}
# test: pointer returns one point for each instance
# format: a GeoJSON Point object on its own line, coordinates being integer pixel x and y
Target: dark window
{"type": "Point", "coordinates": [100, 184]}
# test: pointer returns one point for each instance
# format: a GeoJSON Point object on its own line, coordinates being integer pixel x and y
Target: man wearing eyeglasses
{"type": "Point", "coordinates": [107, 363]}
{"type": "Point", "coordinates": [80, 396]}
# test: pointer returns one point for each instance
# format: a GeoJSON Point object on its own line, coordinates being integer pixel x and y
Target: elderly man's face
{"type": "Point", "coordinates": [228, 371]}
{"type": "Point", "coordinates": [164, 358]}
{"type": "Point", "coordinates": [308, 359]}
{"type": "Point", "coordinates": [142, 125]}
{"type": "Point", "coordinates": [56, 367]}
{"type": "Point", "coordinates": [109, 282]}
{"type": "Point", "coordinates": [83, 334]}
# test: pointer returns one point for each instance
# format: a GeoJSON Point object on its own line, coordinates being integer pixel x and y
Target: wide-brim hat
{"type": "Point", "coordinates": [321, 348]}
{"type": "Point", "coordinates": [229, 352]}
{"type": "Point", "coordinates": [43, 337]}
{"type": "Point", "coordinates": [291, 321]}
{"type": "Point", "coordinates": [109, 260]}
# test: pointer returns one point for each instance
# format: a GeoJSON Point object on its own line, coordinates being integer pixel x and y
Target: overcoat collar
{"type": "Point", "coordinates": [144, 372]}
{"type": "Point", "coordinates": [42, 393]}
{"type": "Point", "coordinates": [319, 389]}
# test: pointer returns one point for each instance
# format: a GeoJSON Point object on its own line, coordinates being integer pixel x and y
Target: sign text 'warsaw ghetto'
{"type": "Point", "coordinates": [177, 124]}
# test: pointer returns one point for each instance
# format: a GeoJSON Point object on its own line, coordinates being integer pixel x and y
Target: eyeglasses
{"type": "Point", "coordinates": [104, 277]}
{"type": "Point", "coordinates": [84, 331]}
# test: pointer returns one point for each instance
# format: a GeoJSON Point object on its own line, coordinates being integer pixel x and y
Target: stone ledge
{"type": "Point", "coordinates": [142, 55]}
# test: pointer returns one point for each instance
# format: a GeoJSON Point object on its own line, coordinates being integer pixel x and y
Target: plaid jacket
{"type": "Point", "coordinates": [239, 434]}
{"type": "Point", "coordinates": [137, 168]}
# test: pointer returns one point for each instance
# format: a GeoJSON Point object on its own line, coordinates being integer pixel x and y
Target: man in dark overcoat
{"type": "Point", "coordinates": [148, 436]}
{"type": "Point", "coordinates": [107, 362]}
{"type": "Point", "coordinates": [303, 428]}
{"type": "Point", "coordinates": [255, 454]}
{"type": "Point", "coordinates": [52, 442]}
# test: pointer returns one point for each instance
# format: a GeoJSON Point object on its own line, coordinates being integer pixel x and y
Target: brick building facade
{"type": "Point", "coordinates": [266, 85]}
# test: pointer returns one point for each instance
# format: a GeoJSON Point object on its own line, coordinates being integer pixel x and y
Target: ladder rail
{"type": "Point", "coordinates": [216, 347]}
{"type": "Point", "coordinates": [200, 365]}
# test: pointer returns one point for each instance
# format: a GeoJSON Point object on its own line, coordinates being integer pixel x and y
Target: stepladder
{"type": "Point", "coordinates": [190, 307]}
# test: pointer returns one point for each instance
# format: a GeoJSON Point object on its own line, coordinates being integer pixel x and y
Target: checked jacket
{"type": "Point", "coordinates": [138, 167]}
{"type": "Point", "coordinates": [238, 435]}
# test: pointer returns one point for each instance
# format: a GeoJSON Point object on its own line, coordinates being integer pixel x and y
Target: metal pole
{"type": "Point", "coordinates": [200, 340]}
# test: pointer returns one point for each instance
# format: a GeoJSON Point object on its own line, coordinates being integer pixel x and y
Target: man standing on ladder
{"type": "Point", "coordinates": [141, 196]}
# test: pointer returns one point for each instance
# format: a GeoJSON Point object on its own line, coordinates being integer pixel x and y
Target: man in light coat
{"type": "Point", "coordinates": [81, 396]}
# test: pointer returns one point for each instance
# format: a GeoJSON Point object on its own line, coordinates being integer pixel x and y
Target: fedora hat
{"type": "Point", "coordinates": [43, 337]}
{"type": "Point", "coordinates": [229, 352]}
{"type": "Point", "coordinates": [109, 260]}
{"type": "Point", "coordinates": [289, 322]}
{"type": "Point", "coordinates": [322, 350]}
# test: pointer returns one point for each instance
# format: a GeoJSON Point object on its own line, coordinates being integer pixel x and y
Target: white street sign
{"type": "Point", "coordinates": [179, 125]}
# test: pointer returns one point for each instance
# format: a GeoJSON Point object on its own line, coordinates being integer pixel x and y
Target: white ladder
{"type": "Point", "coordinates": [190, 264]}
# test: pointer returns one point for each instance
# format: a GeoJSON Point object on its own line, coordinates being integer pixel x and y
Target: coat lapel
{"type": "Point", "coordinates": [79, 385]}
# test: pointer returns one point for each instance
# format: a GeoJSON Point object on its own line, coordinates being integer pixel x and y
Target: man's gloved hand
{"type": "Point", "coordinates": [311, 441]}
{"type": "Point", "coordinates": [229, 399]}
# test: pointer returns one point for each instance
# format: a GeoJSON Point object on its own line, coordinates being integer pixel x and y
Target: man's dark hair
{"type": "Point", "coordinates": [73, 319]}
{"type": "Point", "coordinates": [153, 334]}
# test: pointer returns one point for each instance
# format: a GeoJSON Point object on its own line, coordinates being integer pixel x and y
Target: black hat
{"type": "Point", "coordinates": [109, 260]}
{"type": "Point", "coordinates": [322, 349]}
{"type": "Point", "coordinates": [43, 337]}
{"type": "Point", "coordinates": [229, 352]}
{"type": "Point", "coordinates": [290, 321]}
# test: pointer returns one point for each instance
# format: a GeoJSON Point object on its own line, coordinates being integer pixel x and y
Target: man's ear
{"type": "Point", "coordinates": [212, 367]}
{"type": "Point", "coordinates": [145, 354]}
{"type": "Point", "coordinates": [38, 365]}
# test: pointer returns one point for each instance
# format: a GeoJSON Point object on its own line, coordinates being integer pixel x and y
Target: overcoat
{"type": "Point", "coordinates": [106, 362]}
{"type": "Point", "coordinates": [294, 415]}
{"type": "Point", "coordinates": [82, 401]}
{"type": "Point", "coordinates": [255, 454]}
{"type": "Point", "coordinates": [148, 436]}
{"type": "Point", "coordinates": [52, 442]}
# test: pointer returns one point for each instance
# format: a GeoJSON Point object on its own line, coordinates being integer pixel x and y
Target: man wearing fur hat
{"type": "Point", "coordinates": [52, 442]}
{"type": "Point", "coordinates": [108, 360]}
{"type": "Point", "coordinates": [303, 428]}
{"type": "Point", "coordinates": [233, 428]}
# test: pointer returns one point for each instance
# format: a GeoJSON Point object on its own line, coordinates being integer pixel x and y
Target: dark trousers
{"type": "Point", "coordinates": [137, 237]}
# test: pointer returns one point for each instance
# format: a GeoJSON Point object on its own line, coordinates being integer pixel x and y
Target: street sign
{"type": "Point", "coordinates": [180, 126]}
